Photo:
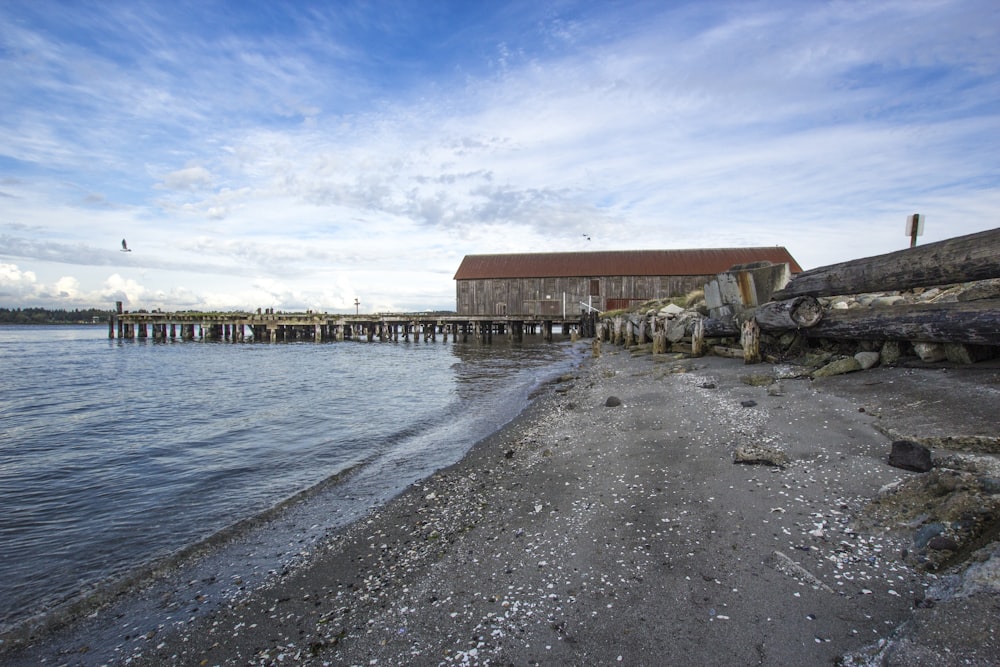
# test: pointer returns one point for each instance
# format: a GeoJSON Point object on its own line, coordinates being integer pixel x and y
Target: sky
{"type": "Point", "coordinates": [308, 155]}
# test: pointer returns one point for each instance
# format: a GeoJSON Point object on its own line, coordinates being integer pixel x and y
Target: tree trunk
{"type": "Point", "coordinates": [713, 328]}
{"type": "Point", "coordinates": [969, 322]}
{"type": "Point", "coordinates": [797, 313]}
{"type": "Point", "coordinates": [957, 260]}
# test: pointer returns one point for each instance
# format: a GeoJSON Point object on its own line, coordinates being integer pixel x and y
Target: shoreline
{"type": "Point", "coordinates": [586, 534]}
{"type": "Point", "coordinates": [231, 562]}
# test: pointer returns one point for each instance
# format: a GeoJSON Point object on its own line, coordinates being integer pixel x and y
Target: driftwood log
{"type": "Point", "coordinates": [773, 317]}
{"type": "Point", "coordinates": [800, 312]}
{"type": "Point", "coordinates": [968, 322]}
{"type": "Point", "coordinates": [958, 260]}
{"type": "Point", "coordinates": [714, 328]}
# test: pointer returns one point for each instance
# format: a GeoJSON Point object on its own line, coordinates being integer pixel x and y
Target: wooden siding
{"type": "Point", "coordinates": [541, 297]}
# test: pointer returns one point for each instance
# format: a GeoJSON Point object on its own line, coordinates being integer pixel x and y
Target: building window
{"type": "Point", "coordinates": [595, 288]}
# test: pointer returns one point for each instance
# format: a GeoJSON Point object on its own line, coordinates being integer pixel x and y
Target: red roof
{"type": "Point", "coordinates": [697, 262]}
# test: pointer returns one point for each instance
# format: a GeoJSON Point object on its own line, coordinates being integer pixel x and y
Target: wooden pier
{"type": "Point", "coordinates": [269, 326]}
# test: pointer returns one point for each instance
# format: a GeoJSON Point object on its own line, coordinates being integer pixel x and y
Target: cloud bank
{"type": "Point", "coordinates": [308, 155]}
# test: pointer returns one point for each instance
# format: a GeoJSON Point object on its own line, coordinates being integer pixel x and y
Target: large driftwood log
{"type": "Point", "coordinates": [713, 328]}
{"type": "Point", "coordinates": [797, 313]}
{"type": "Point", "coordinates": [969, 322]}
{"type": "Point", "coordinates": [772, 317]}
{"type": "Point", "coordinates": [957, 260]}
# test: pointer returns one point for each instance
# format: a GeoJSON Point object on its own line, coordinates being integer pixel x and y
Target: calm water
{"type": "Point", "coordinates": [115, 454]}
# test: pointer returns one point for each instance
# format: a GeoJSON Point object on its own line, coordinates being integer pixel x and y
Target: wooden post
{"type": "Point", "coordinates": [698, 338]}
{"type": "Point", "coordinates": [914, 225]}
{"type": "Point", "coordinates": [750, 340]}
{"type": "Point", "coordinates": [660, 342]}
{"type": "Point", "coordinates": [596, 347]}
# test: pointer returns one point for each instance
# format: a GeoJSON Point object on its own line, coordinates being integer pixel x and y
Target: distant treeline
{"type": "Point", "coordinates": [46, 316]}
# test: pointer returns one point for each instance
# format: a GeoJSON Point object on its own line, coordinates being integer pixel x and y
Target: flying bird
{"type": "Point", "coordinates": [586, 236]}
{"type": "Point", "coordinates": [125, 247]}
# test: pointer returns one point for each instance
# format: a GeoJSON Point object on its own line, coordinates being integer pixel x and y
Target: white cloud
{"type": "Point", "coordinates": [16, 285]}
{"type": "Point", "coordinates": [67, 287]}
{"type": "Point", "coordinates": [340, 157]}
{"type": "Point", "coordinates": [127, 290]}
{"type": "Point", "coordinates": [191, 179]}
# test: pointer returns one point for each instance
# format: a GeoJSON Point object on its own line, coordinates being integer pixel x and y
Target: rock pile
{"type": "Point", "coordinates": [946, 514]}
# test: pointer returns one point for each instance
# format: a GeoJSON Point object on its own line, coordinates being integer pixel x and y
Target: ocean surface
{"type": "Point", "coordinates": [118, 455]}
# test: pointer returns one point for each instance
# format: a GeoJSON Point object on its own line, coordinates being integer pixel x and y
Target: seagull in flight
{"type": "Point", "coordinates": [587, 236]}
{"type": "Point", "coordinates": [125, 247]}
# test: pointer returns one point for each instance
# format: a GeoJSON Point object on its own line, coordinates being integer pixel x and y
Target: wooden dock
{"type": "Point", "coordinates": [269, 326]}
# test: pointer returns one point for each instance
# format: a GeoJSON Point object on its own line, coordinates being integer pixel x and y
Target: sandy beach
{"type": "Point", "coordinates": [609, 524]}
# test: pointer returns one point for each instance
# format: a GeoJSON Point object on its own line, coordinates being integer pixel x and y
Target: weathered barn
{"type": "Point", "coordinates": [557, 283]}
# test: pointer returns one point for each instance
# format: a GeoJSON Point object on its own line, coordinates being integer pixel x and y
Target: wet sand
{"type": "Point", "coordinates": [589, 534]}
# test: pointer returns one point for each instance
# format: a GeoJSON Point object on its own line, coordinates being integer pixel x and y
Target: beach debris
{"type": "Point", "coordinates": [757, 379]}
{"type": "Point", "coordinates": [909, 455]}
{"type": "Point", "coordinates": [748, 404]}
{"type": "Point", "coordinates": [613, 402]}
{"type": "Point", "coordinates": [784, 564]}
{"type": "Point", "coordinates": [757, 454]}
{"type": "Point", "coordinates": [775, 389]}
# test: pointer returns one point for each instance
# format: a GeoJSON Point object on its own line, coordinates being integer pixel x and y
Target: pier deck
{"type": "Point", "coordinates": [325, 327]}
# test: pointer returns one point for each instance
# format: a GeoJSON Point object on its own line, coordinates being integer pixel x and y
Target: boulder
{"type": "Point", "coordinates": [887, 300]}
{"type": "Point", "coordinates": [909, 455]}
{"type": "Point", "coordinates": [671, 311]}
{"type": "Point", "coordinates": [677, 327]}
{"type": "Point", "coordinates": [838, 367]}
{"type": "Point", "coordinates": [891, 352]}
{"type": "Point", "coordinates": [867, 359]}
{"type": "Point", "coordinates": [930, 352]}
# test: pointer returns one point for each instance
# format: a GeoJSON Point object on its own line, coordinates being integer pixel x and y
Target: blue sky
{"type": "Point", "coordinates": [302, 154]}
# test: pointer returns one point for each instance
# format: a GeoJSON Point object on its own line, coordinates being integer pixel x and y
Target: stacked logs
{"type": "Point", "coordinates": [975, 257]}
{"type": "Point", "coordinates": [796, 306]}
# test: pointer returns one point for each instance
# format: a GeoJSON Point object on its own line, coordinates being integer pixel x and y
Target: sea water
{"type": "Point", "coordinates": [117, 454]}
